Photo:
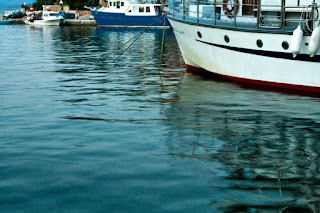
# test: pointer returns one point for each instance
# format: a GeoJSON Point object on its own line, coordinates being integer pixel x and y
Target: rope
{"type": "Point", "coordinates": [137, 35]}
{"type": "Point", "coordinates": [164, 23]}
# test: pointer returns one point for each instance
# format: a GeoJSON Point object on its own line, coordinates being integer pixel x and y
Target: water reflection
{"type": "Point", "coordinates": [210, 142]}
{"type": "Point", "coordinates": [134, 78]}
{"type": "Point", "coordinates": [260, 148]}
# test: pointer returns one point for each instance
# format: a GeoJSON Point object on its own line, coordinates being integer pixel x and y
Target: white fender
{"type": "Point", "coordinates": [314, 42]}
{"type": "Point", "coordinates": [296, 41]}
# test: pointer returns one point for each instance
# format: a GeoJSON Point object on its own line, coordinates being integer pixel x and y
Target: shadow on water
{"type": "Point", "coordinates": [261, 148]}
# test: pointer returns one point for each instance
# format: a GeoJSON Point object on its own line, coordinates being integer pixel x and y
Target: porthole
{"type": "Point", "coordinates": [199, 34]}
{"type": "Point", "coordinates": [259, 43]}
{"type": "Point", "coordinates": [285, 45]}
{"type": "Point", "coordinates": [226, 38]}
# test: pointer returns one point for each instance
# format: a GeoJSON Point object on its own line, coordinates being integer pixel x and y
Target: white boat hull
{"type": "Point", "coordinates": [55, 22]}
{"type": "Point", "coordinates": [242, 60]}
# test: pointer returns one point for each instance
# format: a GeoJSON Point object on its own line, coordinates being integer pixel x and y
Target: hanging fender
{"type": "Point", "coordinates": [233, 11]}
{"type": "Point", "coordinates": [296, 41]}
{"type": "Point", "coordinates": [314, 42]}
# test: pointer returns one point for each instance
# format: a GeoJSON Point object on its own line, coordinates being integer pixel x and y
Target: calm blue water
{"type": "Point", "coordinates": [79, 136]}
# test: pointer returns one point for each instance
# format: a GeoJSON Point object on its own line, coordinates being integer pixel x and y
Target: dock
{"type": "Point", "coordinates": [79, 22]}
{"type": "Point", "coordinates": [67, 22]}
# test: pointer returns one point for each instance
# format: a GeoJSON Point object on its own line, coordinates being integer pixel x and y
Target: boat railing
{"type": "Point", "coordinates": [257, 15]}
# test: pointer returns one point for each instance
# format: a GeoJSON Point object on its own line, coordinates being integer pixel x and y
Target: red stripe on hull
{"type": "Point", "coordinates": [260, 83]}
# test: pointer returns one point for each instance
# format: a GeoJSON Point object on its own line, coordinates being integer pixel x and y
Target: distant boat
{"type": "Point", "coordinates": [13, 14]}
{"type": "Point", "coordinates": [125, 13]}
{"type": "Point", "coordinates": [6, 22]}
{"type": "Point", "coordinates": [48, 18]}
{"type": "Point", "coordinates": [265, 42]}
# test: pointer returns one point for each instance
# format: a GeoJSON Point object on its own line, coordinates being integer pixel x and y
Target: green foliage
{"type": "Point", "coordinates": [38, 4]}
{"type": "Point", "coordinates": [77, 4]}
{"type": "Point", "coordinates": [25, 6]}
{"type": "Point", "coordinates": [73, 4]}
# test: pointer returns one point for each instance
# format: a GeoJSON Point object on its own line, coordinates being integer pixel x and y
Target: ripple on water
{"type": "Point", "coordinates": [78, 135]}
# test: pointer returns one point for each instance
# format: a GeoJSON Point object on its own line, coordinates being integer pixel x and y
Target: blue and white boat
{"type": "Point", "coordinates": [125, 13]}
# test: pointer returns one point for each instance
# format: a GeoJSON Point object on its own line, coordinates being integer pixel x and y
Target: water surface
{"type": "Point", "coordinates": [82, 136]}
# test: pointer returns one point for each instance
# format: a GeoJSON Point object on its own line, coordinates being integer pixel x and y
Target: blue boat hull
{"type": "Point", "coordinates": [6, 22]}
{"type": "Point", "coordinates": [122, 20]}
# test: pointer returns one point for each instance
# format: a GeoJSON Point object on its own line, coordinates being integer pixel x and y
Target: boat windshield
{"type": "Point", "coordinates": [55, 14]}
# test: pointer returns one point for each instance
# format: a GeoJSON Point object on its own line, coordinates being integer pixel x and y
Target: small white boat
{"type": "Point", "coordinates": [44, 18]}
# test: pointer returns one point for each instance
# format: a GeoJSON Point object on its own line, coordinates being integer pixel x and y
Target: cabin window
{"type": "Point", "coordinates": [114, 4]}
{"type": "Point", "coordinates": [122, 4]}
{"type": "Point", "coordinates": [130, 11]}
{"type": "Point", "coordinates": [55, 14]}
{"type": "Point", "coordinates": [141, 9]}
{"type": "Point", "coordinates": [148, 9]}
{"type": "Point", "coordinates": [135, 9]}
{"type": "Point", "coordinates": [118, 4]}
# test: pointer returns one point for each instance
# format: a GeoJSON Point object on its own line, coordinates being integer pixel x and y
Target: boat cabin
{"type": "Point", "coordinates": [138, 9]}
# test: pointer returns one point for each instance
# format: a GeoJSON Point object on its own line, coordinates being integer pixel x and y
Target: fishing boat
{"type": "Point", "coordinates": [44, 18]}
{"type": "Point", "coordinates": [125, 13]}
{"type": "Point", "coordinates": [263, 42]}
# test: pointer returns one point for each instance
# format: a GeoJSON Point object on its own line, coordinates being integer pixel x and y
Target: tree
{"type": "Point", "coordinates": [38, 4]}
{"type": "Point", "coordinates": [25, 6]}
{"type": "Point", "coordinates": [73, 4]}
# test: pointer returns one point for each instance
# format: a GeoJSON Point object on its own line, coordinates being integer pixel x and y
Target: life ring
{"type": "Point", "coordinates": [233, 11]}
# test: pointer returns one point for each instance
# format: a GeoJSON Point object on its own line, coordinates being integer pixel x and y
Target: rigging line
{"type": "Point", "coordinates": [135, 40]}
{"type": "Point", "coordinates": [138, 34]}
{"type": "Point", "coordinates": [164, 24]}
{"type": "Point", "coordinates": [126, 48]}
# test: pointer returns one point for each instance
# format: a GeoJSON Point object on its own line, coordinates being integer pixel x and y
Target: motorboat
{"type": "Point", "coordinates": [44, 18]}
{"type": "Point", "coordinates": [271, 43]}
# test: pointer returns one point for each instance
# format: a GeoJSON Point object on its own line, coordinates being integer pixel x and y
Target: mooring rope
{"type": "Point", "coordinates": [136, 36]}
{"type": "Point", "coordinates": [162, 42]}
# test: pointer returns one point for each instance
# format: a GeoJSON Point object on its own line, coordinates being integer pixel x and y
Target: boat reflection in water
{"type": "Point", "coordinates": [259, 148]}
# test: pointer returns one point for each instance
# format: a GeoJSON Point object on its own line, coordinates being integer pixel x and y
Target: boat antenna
{"type": "Point", "coordinates": [136, 36]}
